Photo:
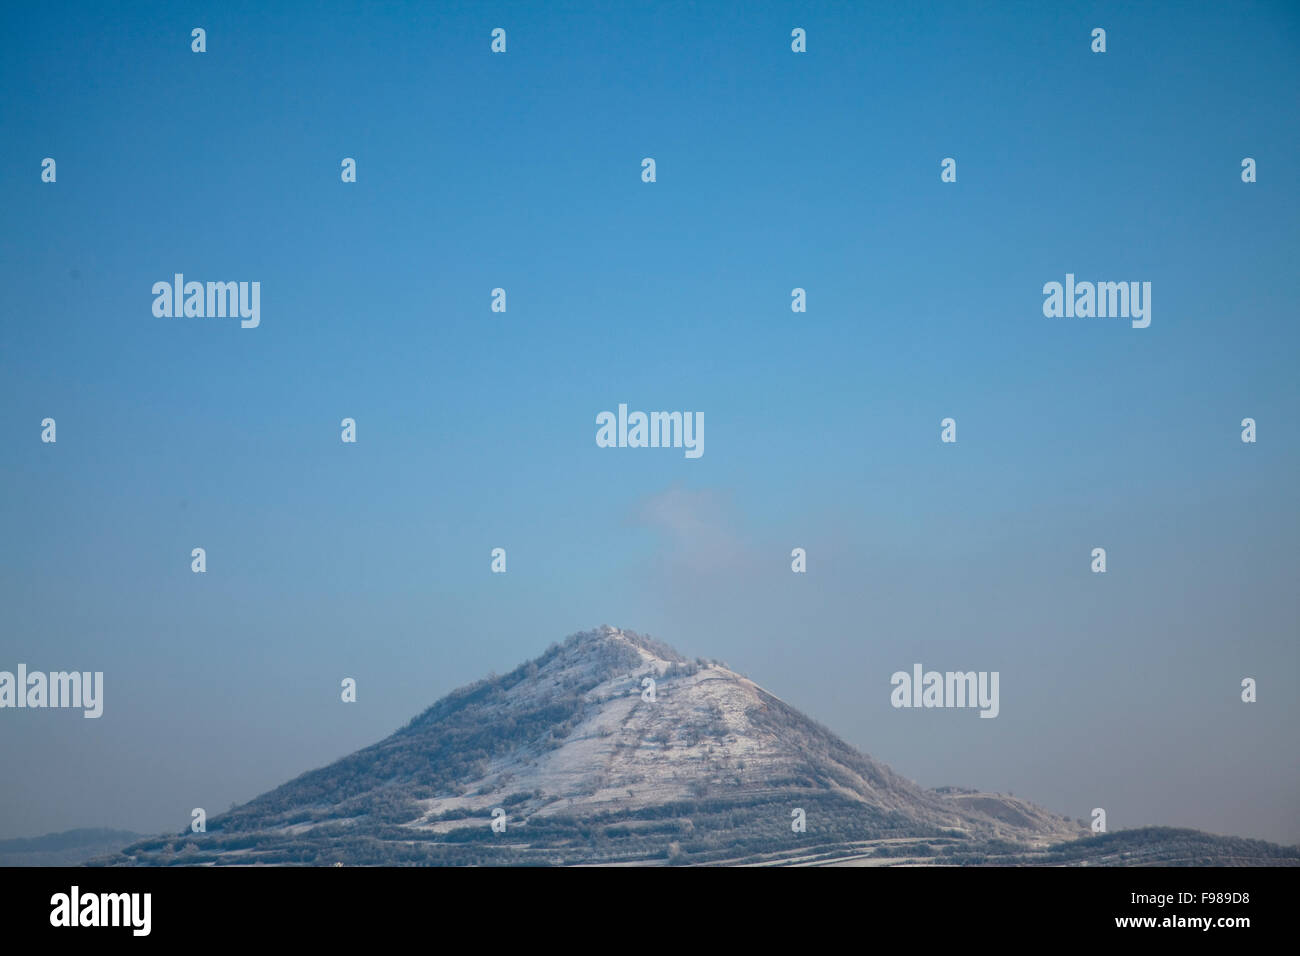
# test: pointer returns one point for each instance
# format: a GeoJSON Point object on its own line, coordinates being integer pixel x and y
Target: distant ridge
{"type": "Point", "coordinates": [64, 849]}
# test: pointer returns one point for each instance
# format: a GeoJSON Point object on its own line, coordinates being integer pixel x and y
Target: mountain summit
{"type": "Point", "coordinates": [611, 748]}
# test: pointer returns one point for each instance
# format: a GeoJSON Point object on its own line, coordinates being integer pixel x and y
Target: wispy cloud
{"type": "Point", "coordinates": [699, 528]}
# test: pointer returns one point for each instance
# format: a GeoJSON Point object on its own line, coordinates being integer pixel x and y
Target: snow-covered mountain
{"type": "Point", "coordinates": [581, 763]}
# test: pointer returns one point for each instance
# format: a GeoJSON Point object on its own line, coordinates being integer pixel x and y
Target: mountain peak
{"type": "Point", "coordinates": [651, 650]}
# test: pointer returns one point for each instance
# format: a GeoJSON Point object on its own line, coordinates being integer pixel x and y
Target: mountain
{"type": "Point", "coordinates": [64, 849]}
{"type": "Point", "coordinates": [584, 768]}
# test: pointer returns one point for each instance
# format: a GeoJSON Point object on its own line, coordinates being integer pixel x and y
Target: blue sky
{"type": "Point", "coordinates": [476, 430]}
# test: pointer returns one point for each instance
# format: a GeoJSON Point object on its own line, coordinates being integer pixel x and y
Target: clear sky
{"type": "Point", "coordinates": [476, 429]}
